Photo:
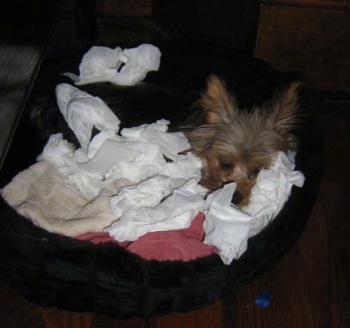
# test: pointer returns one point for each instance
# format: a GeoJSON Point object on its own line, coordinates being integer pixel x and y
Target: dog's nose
{"type": "Point", "coordinates": [236, 198]}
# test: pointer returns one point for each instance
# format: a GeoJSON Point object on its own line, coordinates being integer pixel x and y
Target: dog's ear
{"type": "Point", "coordinates": [285, 108]}
{"type": "Point", "coordinates": [217, 103]}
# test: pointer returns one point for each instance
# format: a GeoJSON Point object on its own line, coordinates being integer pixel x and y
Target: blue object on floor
{"type": "Point", "coordinates": [263, 300]}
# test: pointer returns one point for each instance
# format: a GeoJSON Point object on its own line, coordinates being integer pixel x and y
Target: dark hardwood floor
{"type": "Point", "coordinates": [310, 286]}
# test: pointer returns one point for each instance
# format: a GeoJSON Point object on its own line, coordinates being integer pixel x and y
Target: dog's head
{"type": "Point", "coordinates": [235, 144]}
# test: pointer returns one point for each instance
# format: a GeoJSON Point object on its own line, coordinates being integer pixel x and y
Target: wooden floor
{"type": "Point", "coordinates": [310, 286]}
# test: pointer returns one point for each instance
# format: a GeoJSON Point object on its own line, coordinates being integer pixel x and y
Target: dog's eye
{"type": "Point", "coordinates": [254, 173]}
{"type": "Point", "coordinates": [226, 165]}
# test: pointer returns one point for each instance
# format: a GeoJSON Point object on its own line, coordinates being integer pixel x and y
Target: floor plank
{"type": "Point", "coordinates": [317, 50]}
{"type": "Point", "coordinates": [16, 312]}
{"type": "Point", "coordinates": [208, 317]}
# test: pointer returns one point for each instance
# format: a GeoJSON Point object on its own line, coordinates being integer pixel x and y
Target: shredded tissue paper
{"type": "Point", "coordinates": [123, 67]}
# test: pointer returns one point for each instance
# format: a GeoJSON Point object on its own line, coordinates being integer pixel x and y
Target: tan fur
{"type": "Point", "coordinates": [235, 144]}
{"type": "Point", "coordinates": [217, 102]}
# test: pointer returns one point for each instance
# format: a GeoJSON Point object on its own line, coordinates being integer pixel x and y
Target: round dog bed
{"type": "Point", "coordinates": [54, 270]}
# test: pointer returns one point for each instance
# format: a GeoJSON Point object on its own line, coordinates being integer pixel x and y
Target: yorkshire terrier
{"type": "Point", "coordinates": [235, 144]}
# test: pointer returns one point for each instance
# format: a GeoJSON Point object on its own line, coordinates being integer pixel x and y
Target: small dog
{"type": "Point", "coordinates": [234, 145]}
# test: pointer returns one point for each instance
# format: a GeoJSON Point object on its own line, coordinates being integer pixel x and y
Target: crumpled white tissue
{"type": "Point", "coordinates": [228, 228]}
{"type": "Point", "coordinates": [122, 67]}
{"type": "Point", "coordinates": [159, 189]}
{"type": "Point", "coordinates": [119, 157]}
{"type": "Point", "coordinates": [82, 112]}
{"type": "Point", "coordinates": [159, 204]}
{"type": "Point", "coordinates": [274, 186]}
{"type": "Point", "coordinates": [156, 134]}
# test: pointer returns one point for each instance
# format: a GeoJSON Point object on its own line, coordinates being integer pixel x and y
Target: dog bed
{"type": "Point", "coordinates": [77, 275]}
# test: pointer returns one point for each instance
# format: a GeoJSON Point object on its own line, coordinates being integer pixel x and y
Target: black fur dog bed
{"type": "Point", "coordinates": [53, 270]}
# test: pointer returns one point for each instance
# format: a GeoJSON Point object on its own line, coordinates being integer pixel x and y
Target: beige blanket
{"type": "Point", "coordinates": [41, 194]}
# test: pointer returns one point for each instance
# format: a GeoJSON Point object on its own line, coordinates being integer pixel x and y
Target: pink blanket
{"type": "Point", "coordinates": [177, 245]}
